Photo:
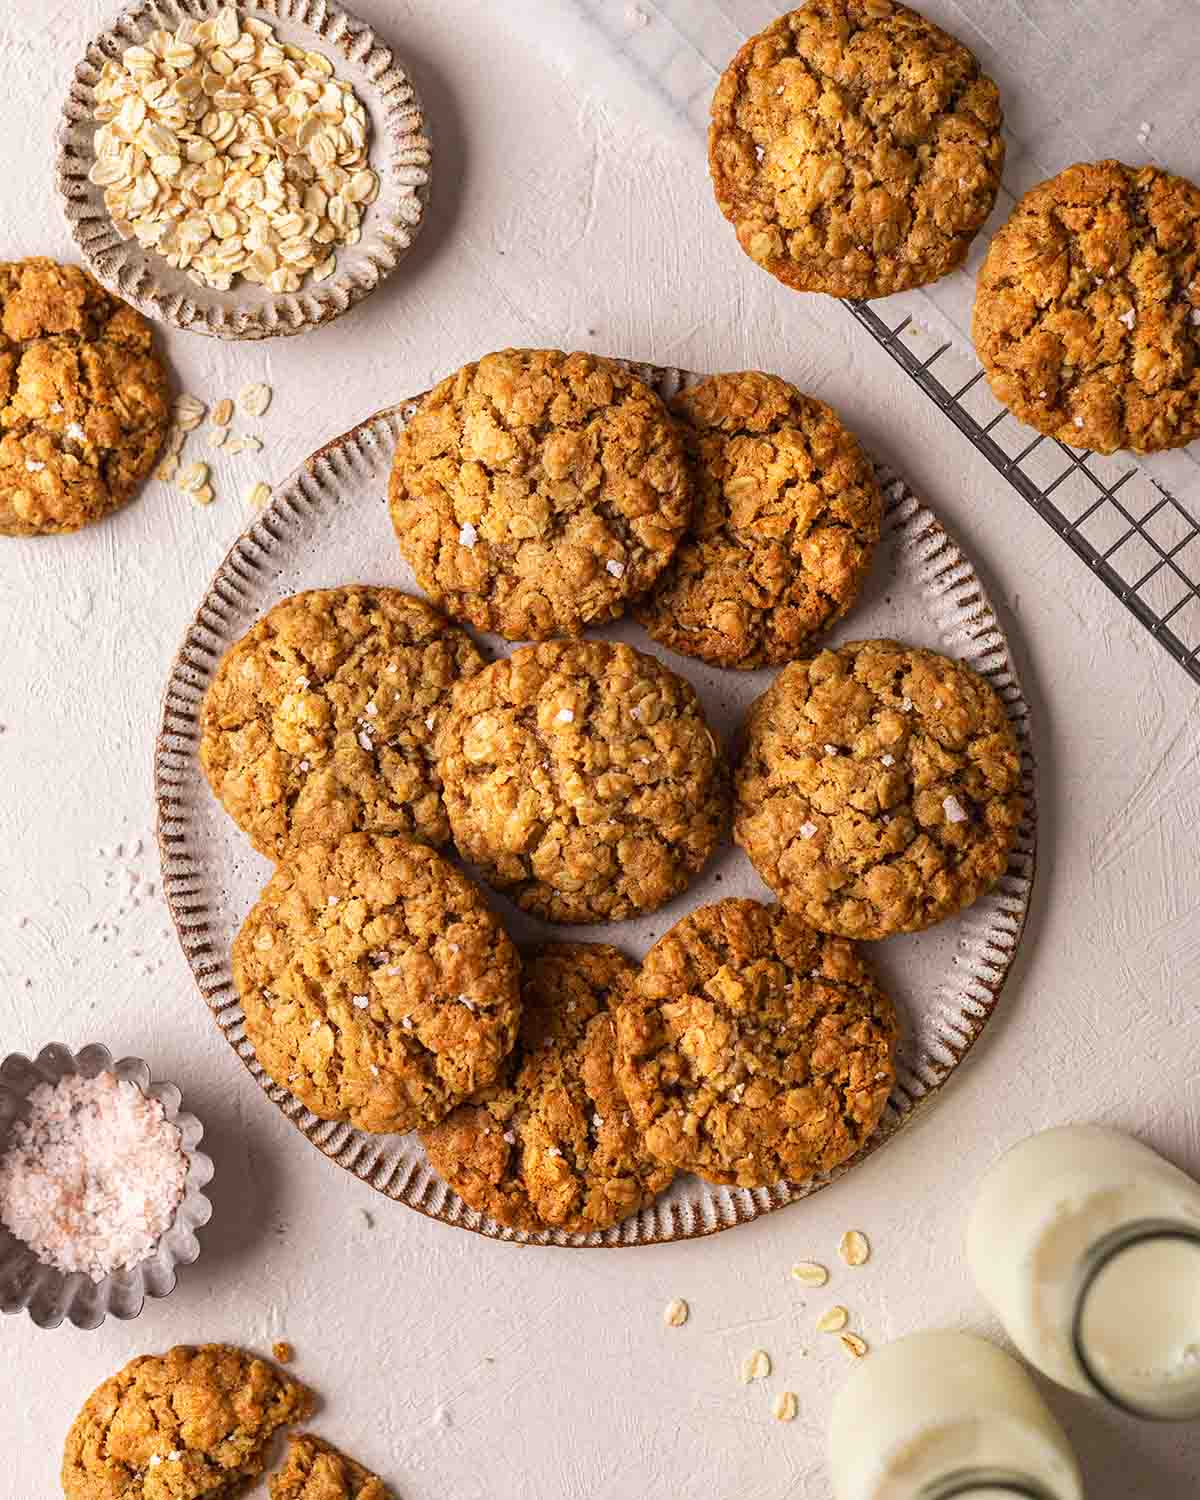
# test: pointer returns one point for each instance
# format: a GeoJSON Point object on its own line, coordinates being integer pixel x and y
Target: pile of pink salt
{"type": "Point", "coordinates": [91, 1178]}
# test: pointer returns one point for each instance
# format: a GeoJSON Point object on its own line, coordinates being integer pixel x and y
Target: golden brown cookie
{"type": "Point", "coordinates": [377, 986]}
{"type": "Point", "coordinates": [755, 1049]}
{"type": "Point", "coordinates": [538, 492]}
{"type": "Point", "coordinates": [784, 528]}
{"type": "Point", "coordinates": [554, 1146]}
{"type": "Point", "coordinates": [879, 788]}
{"type": "Point", "coordinates": [314, 1470]}
{"type": "Point", "coordinates": [1087, 313]}
{"type": "Point", "coordinates": [83, 399]}
{"type": "Point", "coordinates": [320, 720]}
{"type": "Point", "coordinates": [191, 1424]}
{"type": "Point", "coordinates": [856, 148]}
{"type": "Point", "coordinates": [581, 778]}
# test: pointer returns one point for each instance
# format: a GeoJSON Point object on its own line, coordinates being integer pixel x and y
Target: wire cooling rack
{"type": "Point", "coordinates": [1140, 539]}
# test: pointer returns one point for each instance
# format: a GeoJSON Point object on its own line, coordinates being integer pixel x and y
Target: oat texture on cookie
{"type": "Point", "coordinates": [856, 147]}
{"type": "Point", "coordinates": [1087, 312]}
{"type": "Point", "coordinates": [582, 778]}
{"type": "Point", "coordinates": [83, 399]}
{"type": "Point", "coordinates": [786, 521]}
{"type": "Point", "coordinates": [377, 986]}
{"type": "Point", "coordinates": [554, 1145]}
{"type": "Point", "coordinates": [314, 1470]}
{"type": "Point", "coordinates": [755, 1049]}
{"type": "Point", "coordinates": [320, 720]}
{"type": "Point", "coordinates": [879, 788]}
{"type": "Point", "coordinates": [536, 492]}
{"type": "Point", "coordinates": [191, 1424]}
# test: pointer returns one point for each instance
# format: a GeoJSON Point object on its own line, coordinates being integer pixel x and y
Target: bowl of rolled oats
{"type": "Point", "coordinates": [242, 171]}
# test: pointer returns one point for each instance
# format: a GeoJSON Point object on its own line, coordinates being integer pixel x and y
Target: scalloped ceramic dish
{"type": "Point", "coordinates": [49, 1296]}
{"type": "Point", "coordinates": [400, 152]}
{"type": "Point", "coordinates": [328, 524]}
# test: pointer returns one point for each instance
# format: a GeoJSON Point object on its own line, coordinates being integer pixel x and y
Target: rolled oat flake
{"type": "Point", "coordinates": [91, 1178]}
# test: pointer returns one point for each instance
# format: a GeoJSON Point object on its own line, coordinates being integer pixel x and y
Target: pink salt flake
{"type": "Point", "coordinates": [90, 1181]}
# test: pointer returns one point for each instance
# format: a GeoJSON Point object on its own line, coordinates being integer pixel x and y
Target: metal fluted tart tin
{"type": "Point", "coordinates": [51, 1297]}
{"type": "Point", "coordinates": [328, 523]}
{"type": "Point", "coordinates": [400, 153]}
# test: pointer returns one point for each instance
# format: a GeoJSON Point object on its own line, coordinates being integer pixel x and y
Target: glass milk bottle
{"type": "Point", "coordinates": [946, 1416]}
{"type": "Point", "coordinates": [1087, 1245]}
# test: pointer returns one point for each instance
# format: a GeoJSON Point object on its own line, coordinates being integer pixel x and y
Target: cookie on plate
{"type": "Point", "coordinates": [582, 778]}
{"type": "Point", "coordinates": [377, 986]}
{"type": "Point", "coordinates": [83, 399]}
{"type": "Point", "coordinates": [879, 788]}
{"type": "Point", "coordinates": [555, 1146]}
{"type": "Point", "coordinates": [755, 1049]}
{"type": "Point", "coordinates": [320, 720]}
{"type": "Point", "coordinates": [1087, 312]}
{"type": "Point", "coordinates": [314, 1470]}
{"type": "Point", "coordinates": [786, 521]}
{"type": "Point", "coordinates": [536, 492]}
{"type": "Point", "coordinates": [856, 148]}
{"type": "Point", "coordinates": [191, 1424]}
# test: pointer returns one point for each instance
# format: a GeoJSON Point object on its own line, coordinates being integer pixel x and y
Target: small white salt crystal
{"type": "Point", "coordinates": [34, 466]}
{"type": "Point", "coordinates": [393, 666]}
{"type": "Point", "coordinates": [888, 760]}
{"type": "Point", "coordinates": [954, 811]}
{"type": "Point", "coordinates": [553, 1151]}
{"type": "Point", "coordinates": [76, 432]}
{"type": "Point", "coordinates": [831, 750]}
{"type": "Point", "coordinates": [468, 536]}
{"type": "Point", "coordinates": [361, 1002]}
{"type": "Point", "coordinates": [906, 705]}
{"type": "Point", "coordinates": [759, 153]}
{"type": "Point", "coordinates": [510, 1138]}
{"type": "Point", "coordinates": [406, 1022]}
{"type": "Point", "coordinates": [469, 1003]}
{"type": "Point", "coordinates": [429, 722]}
{"type": "Point", "coordinates": [304, 765]}
{"type": "Point", "coordinates": [806, 830]}
{"type": "Point", "coordinates": [1079, 421]}
{"type": "Point", "coordinates": [564, 716]}
{"type": "Point", "coordinates": [1129, 318]}
{"type": "Point", "coordinates": [1196, 314]}
{"type": "Point", "coordinates": [155, 1460]}
{"type": "Point", "coordinates": [372, 710]}
{"type": "Point", "coordinates": [333, 900]}
{"type": "Point", "coordinates": [364, 739]}
{"type": "Point", "coordinates": [301, 684]}
{"type": "Point", "coordinates": [614, 567]}
{"type": "Point", "coordinates": [374, 1071]}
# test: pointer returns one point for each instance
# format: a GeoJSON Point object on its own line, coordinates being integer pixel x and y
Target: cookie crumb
{"type": "Point", "coordinates": [283, 1352]}
{"type": "Point", "coordinates": [675, 1314]}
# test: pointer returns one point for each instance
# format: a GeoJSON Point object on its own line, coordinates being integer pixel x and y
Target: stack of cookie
{"type": "Point", "coordinates": [355, 732]}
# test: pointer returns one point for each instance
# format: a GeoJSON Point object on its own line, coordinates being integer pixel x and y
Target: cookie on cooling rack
{"type": "Point", "coordinates": [377, 986]}
{"type": "Point", "coordinates": [582, 778]}
{"type": "Point", "coordinates": [83, 399]}
{"type": "Point", "coordinates": [879, 788]}
{"type": "Point", "coordinates": [198, 1420]}
{"type": "Point", "coordinates": [1087, 313]}
{"type": "Point", "coordinates": [555, 1145]}
{"type": "Point", "coordinates": [755, 1049]}
{"type": "Point", "coordinates": [786, 521]}
{"type": "Point", "coordinates": [856, 148]}
{"type": "Point", "coordinates": [536, 492]}
{"type": "Point", "coordinates": [320, 720]}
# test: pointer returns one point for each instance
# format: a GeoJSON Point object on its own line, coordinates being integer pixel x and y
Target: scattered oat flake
{"type": "Point", "coordinates": [189, 412]}
{"type": "Point", "coordinates": [833, 1320]}
{"type": "Point", "coordinates": [675, 1314]}
{"type": "Point", "coordinates": [468, 536]}
{"type": "Point", "coordinates": [91, 1177]}
{"type": "Point", "coordinates": [756, 1366]}
{"type": "Point", "coordinates": [193, 476]}
{"type": "Point", "coordinates": [204, 495]}
{"type": "Point", "coordinates": [222, 413]}
{"type": "Point", "coordinates": [217, 437]}
{"type": "Point", "coordinates": [258, 495]}
{"type": "Point", "coordinates": [785, 1407]}
{"type": "Point", "coordinates": [810, 1273]}
{"type": "Point", "coordinates": [254, 398]}
{"type": "Point", "coordinates": [954, 810]}
{"type": "Point", "coordinates": [854, 1248]}
{"type": "Point", "coordinates": [853, 1345]}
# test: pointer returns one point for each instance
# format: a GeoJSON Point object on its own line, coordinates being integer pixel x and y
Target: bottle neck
{"type": "Point", "coordinates": [986, 1484]}
{"type": "Point", "coordinates": [1144, 1383]}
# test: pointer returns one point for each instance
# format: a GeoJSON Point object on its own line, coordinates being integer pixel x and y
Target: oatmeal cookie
{"type": "Point", "coordinates": [785, 525]}
{"type": "Point", "coordinates": [191, 1424]}
{"type": "Point", "coordinates": [754, 1048]}
{"type": "Point", "coordinates": [320, 720]}
{"type": "Point", "coordinates": [538, 492]}
{"type": "Point", "coordinates": [555, 1145]}
{"type": "Point", "coordinates": [581, 777]}
{"type": "Point", "coordinates": [879, 788]}
{"type": "Point", "coordinates": [314, 1470]}
{"type": "Point", "coordinates": [1087, 313]}
{"type": "Point", "coordinates": [83, 399]}
{"type": "Point", "coordinates": [377, 986]}
{"type": "Point", "coordinates": [856, 148]}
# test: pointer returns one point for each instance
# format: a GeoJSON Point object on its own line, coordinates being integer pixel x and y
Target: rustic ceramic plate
{"type": "Point", "coordinates": [328, 524]}
{"type": "Point", "coordinates": [400, 152]}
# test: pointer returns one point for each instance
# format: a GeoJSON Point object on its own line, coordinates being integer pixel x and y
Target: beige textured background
{"type": "Point", "coordinates": [573, 208]}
